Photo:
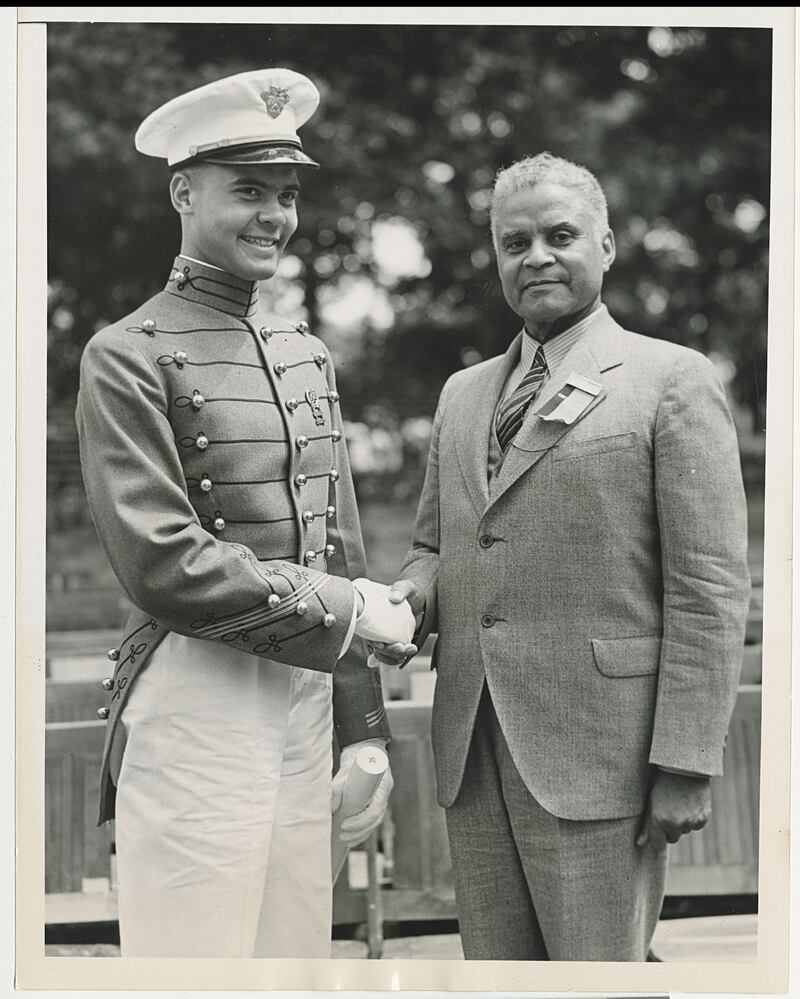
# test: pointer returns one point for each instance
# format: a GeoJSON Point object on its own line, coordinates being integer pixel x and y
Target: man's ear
{"type": "Point", "coordinates": [181, 192]}
{"type": "Point", "coordinates": [609, 249]}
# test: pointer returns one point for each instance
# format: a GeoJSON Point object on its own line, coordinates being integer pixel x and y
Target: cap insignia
{"type": "Point", "coordinates": [276, 99]}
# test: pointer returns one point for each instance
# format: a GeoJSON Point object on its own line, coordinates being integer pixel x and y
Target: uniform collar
{"type": "Point", "coordinates": [206, 285]}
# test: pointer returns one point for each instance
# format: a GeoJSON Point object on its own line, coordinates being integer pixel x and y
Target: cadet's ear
{"type": "Point", "coordinates": [181, 191]}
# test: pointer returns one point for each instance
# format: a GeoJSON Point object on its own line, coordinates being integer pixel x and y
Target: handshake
{"type": "Point", "coordinates": [387, 618]}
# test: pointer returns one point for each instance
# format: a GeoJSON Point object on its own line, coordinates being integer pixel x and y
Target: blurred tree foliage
{"type": "Point", "coordinates": [413, 125]}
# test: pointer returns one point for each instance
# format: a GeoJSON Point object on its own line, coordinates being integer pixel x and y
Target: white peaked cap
{"type": "Point", "coordinates": [252, 117]}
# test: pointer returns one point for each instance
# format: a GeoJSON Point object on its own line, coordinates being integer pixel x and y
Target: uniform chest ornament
{"type": "Point", "coordinates": [312, 398]}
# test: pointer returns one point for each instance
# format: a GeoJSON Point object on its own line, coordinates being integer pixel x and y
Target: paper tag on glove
{"type": "Point", "coordinates": [570, 400]}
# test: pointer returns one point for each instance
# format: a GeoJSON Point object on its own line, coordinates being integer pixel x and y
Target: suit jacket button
{"type": "Point", "coordinates": [486, 541]}
{"type": "Point", "coordinates": [103, 713]}
{"type": "Point", "coordinates": [487, 621]}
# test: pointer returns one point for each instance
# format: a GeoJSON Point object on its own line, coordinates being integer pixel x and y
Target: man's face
{"type": "Point", "coordinates": [551, 253]}
{"type": "Point", "coordinates": [239, 218]}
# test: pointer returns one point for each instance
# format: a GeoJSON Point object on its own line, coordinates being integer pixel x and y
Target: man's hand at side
{"type": "Point", "coordinates": [678, 804]}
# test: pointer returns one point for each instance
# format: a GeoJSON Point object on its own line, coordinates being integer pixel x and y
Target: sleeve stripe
{"type": "Point", "coordinates": [262, 616]}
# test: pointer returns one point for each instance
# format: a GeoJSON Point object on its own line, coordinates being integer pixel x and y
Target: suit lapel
{"type": "Point", "coordinates": [475, 418]}
{"type": "Point", "coordinates": [597, 351]}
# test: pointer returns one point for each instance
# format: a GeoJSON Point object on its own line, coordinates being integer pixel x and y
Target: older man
{"type": "Point", "coordinates": [211, 444]}
{"type": "Point", "coordinates": [581, 547]}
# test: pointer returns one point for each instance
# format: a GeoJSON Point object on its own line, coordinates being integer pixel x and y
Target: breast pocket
{"type": "Point", "coordinates": [594, 446]}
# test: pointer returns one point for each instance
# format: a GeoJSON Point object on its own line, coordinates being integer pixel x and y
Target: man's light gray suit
{"type": "Point", "coordinates": [597, 583]}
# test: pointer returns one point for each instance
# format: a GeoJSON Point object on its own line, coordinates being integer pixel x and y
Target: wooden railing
{"type": "Point", "coordinates": [416, 868]}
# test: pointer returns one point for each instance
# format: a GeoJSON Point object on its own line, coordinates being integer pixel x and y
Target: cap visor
{"type": "Point", "coordinates": [265, 154]}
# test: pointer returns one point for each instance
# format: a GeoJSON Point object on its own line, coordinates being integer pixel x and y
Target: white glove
{"type": "Point", "coordinates": [381, 620]}
{"type": "Point", "coordinates": [356, 828]}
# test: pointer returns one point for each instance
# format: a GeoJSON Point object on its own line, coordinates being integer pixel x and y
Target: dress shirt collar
{"type": "Point", "coordinates": [206, 284]}
{"type": "Point", "coordinates": [557, 348]}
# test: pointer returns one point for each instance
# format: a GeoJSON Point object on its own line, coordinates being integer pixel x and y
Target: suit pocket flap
{"type": "Point", "coordinates": [638, 656]}
{"type": "Point", "coordinates": [594, 445]}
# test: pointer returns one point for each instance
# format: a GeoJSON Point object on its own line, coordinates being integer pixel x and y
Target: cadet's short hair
{"type": "Point", "coordinates": [544, 168]}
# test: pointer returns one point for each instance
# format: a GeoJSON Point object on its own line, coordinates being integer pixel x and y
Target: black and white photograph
{"type": "Point", "coordinates": [410, 473]}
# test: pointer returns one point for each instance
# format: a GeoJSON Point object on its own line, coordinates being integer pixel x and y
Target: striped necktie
{"type": "Point", "coordinates": [512, 412]}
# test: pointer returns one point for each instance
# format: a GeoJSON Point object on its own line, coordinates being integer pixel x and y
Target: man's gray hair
{"type": "Point", "coordinates": [544, 168]}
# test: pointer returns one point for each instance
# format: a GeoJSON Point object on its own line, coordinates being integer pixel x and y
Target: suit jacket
{"type": "Point", "coordinates": [601, 587]}
{"type": "Point", "coordinates": [217, 476]}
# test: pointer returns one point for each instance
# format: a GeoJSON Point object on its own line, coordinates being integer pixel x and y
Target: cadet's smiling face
{"type": "Point", "coordinates": [239, 218]}
{"type": "Point", "coordinates": [552, 253]}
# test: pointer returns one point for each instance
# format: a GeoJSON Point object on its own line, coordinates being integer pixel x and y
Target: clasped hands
{"type": "Point", "coordinates": [387, 618]}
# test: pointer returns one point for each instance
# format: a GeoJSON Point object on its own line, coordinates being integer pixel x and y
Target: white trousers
{"type": "Point", "coordinates": [223, 807]}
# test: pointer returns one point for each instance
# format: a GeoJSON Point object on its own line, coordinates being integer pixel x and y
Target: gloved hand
{"type": "Point", "coordinates": [356, 828]}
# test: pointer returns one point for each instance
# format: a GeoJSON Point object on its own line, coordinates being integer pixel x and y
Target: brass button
{"type": "Point", "coordinates": [333, 475]}
{"type": "Point", "coordinates": [219, 524]}
{"type": "Point", "coordinates": [329, 620]}
{"type": "Point", "coordinates": [273, 600]}
{"type": "Point", "coordinates": [336, 436]}
{"type": "Point", "coordinates": [321, 359]}
{"type": "Point", "coordinates": [301, 608]}
{"type": "Point", "coordinates": [330, 550]}
{"type": "Point", "coordinates": [302, 327]}
{"type": "Point", "coordinates": [301, 441]}
{"type": "Point", "coordinates": [107, 684]}
{"type": "Point", "coordinates": [280, 368]}
{"type": "Point", "coordinates": [206, 484]}
{"type": "Point", "coordinates": [103, 713]}
{"type": "Point", "coordinates": [265, 332]}
{"type": "Point", "coordinates": [198, 400]}
{"type": "Point", "coordinates": [300, 479]}
{"type": "Point", "coordinates": [149, 325]}
{"type": "Point", "coordinates": [333, 397]}
{"type": "Point", "coordinates": [201, 441]}
{"type": "Point", "coordinates": [308, 516]}
{"type": "Point", "coordinates": [181, 357]}
{"type": "Point", "coordinates": [113, 655]}
{"type": "Point", "coordinates": [292, 404]}
{"type": "Point", "coordinates": [330, 512]}
{"type": "Point", "coordinates": [310, 557]}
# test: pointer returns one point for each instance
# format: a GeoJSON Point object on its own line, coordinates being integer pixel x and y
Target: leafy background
{"type": "Point", "coordinates": [392, 263]}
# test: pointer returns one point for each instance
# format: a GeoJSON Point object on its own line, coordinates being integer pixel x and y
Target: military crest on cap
{"type": "Point", "coordinates": [276, 99]}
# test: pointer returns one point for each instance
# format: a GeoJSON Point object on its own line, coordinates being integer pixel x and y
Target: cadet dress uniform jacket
{"type": "Point", "coordinates": [218, 479]}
